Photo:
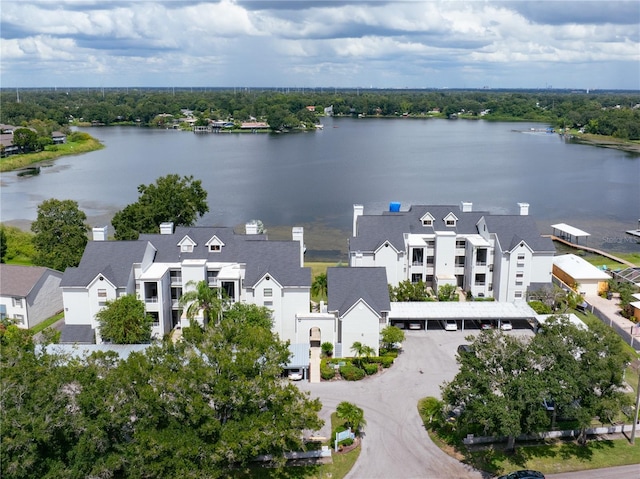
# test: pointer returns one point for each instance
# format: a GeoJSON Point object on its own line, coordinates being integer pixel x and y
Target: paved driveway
{"type": "Point", "coordinates": [395, 443]}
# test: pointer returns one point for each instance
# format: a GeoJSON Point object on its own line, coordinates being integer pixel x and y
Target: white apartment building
{"type": "Point", "coordinates": [492, 256]}
{"type": "Point", "coordinates": [159, 268]}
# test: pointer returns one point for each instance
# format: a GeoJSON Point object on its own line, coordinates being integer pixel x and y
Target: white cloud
{"type": "Point", "coordinates": [185, 39]}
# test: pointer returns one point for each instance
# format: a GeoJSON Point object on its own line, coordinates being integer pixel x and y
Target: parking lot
{"type": "Point", "coordinates": [396, 443]}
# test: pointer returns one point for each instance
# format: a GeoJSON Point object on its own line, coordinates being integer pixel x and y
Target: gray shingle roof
{"type": "Point", "coordinates": [512, 229]}
{"type": "Point", "coordinates": [77, 333]}
{"type": "Point", "coordinates": [112, 259]}
{"type": "Point", "coordinates": [18, 280]}
{"type": "Point", "coordinates": [374, 230]}
{"type": "Point", "coordinates": [345, 286]}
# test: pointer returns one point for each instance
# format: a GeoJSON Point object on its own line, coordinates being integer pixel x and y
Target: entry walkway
{"type": "Point", "coordinates": [608, 310]}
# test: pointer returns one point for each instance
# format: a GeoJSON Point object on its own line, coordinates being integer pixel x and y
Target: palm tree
{"type": "Point", "coordinates": [319, 286]}
{"type": "Point", "coordinates": [352, 415]}
{"type": "Point", "coordinates": [209, 301]}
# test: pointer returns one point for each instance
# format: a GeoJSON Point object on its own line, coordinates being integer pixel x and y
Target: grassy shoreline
{"type": "Point", "coordinates": [51, 152]}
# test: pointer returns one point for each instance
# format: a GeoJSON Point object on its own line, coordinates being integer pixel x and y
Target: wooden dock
{"type": "Point", "coordinates": [592, 250]}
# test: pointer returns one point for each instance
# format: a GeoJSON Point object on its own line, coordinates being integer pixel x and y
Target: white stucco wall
{"type": "Point", "coordinates": [361, 324]}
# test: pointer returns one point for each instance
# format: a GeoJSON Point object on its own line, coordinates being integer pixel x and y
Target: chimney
{"type": "Point", "coordinates": [524, 209]}
{"type": "Point", "coordinates": [297, 234]}
{"type": "Point", "coordinates": [466, 206]}
{"type": "Point", "coordinates": [251, 228]}
{"type": "Point", "coordinates": [100, 233]}
{"type": "Point", "coordinates": [166, 228]}
{"type": "Point", "coordinates": [358, 210]}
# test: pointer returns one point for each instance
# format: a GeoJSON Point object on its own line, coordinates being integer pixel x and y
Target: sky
{"type": "Point", "coordinates": [586, 44]}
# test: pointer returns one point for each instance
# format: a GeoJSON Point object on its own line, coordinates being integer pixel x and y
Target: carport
{"type": "Point", "coordinates": [299, 359]}
{"type": "Point", "coordinates": [466, 314]}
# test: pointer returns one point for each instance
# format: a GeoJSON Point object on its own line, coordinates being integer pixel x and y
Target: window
{"type": "Point", "coordinates": [450, 222]}
{"type": "Point", "coordinates": [519, 278]}
{"type": "Point", "coordinates": [268, 303]}
{"type": "Point", "coordinates": [461, 243]}
{"type": "Point", "coordinates": [518, 294]}
{"type": "Point", "coordinates": [19, 318]}
{"type": "Point", "coordinates": [480, 279]}
{"type": "Point", "coordinates": [430, 260]}
{"type": "Point", "coordinates": [102, 293]}
{"type": "Point", "coordinates": [418, 255]}
{"type": "Point", "coordinates": [186, 248]}
{"type": "Point", "coordinates": [431, 243]}
{"type": "Point", "coordinates": [459, 261]}
{"type": "Point", "coordinates": [427, 222]}
{"type": "Point", "coordinates": [416, 278]}
{"type": "Point", "coordinates": [175, 276]}
{"type": "Point", "coordinates": [215, 248]}
{"type": "Point", "coordinates": [17, 302]}
{"type": "Point", "coordinates": [268, 292]}
{"type": "Point", "coordinates": [212, 276]}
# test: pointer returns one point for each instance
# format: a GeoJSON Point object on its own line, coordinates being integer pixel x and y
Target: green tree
{"type": "Point", "coordinates": [319, 286]}
{"type": "Point", "coordinates": [3, 244]}
{"type": "Point", "coordinates": [25, 139]}
{"type": "Point", "coordinates": [180, 200]}
{"type": "Point", "coordinates": [447, 292]}
{"type": "Point", "coordinates": [497, 389]}
{"type": "Point", "coordinates": [124, 321]}
{"type": "Point", "coordinates": [408, 291]}
{"type": "Point", "coordinates": [203, 300]}
{"type": "Point", "coordinates": [60, 234]}
{"type": "Point", "coordinates": [501, 388]}
{"type": "Point", "coordinates": [390, 336]}
{"type": "Point", "coordinates": [352, 415]}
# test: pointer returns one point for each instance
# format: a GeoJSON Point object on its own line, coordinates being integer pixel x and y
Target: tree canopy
{"type": "Point", "coordinates": [501, 388]}
{"type": "Point", "coordinates": [180, 200]}
{"type": "Point", "coordinates": [191, 409]}
{"type": "Point", "coordinates": [124, 321]}
{"type": "Point", "coordinates": [60, 234]}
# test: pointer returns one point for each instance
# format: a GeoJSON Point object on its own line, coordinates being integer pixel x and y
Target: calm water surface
{"type": "Point", "coordinates": [313, 179]}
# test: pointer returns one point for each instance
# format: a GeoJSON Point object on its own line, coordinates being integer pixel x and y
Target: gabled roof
{"type": "Point", "coordinates": [113, 259]}
{"type": "Point", "coordinates": [374, 230]}
{"type": "Point", "coordinates": [512, 229]}
{"type": "Point", "coordinates": [18, 280]}
{"type": "Point", "coordinates": [346, 286]}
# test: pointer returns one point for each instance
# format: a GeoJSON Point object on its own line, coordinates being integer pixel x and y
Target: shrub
{"type": "Point", "coordinates": [327, 348]}
{"type": "Point", "coordinates": [351, 372]}
{"type": "Point", "coordinates": [370, 369]}
{"type": "Point", "coordinates": [539, 307]}
{"type": "Point", "coordinates": [387, 361]}
{"type": "Point", "coordinates": [346, 442]}
{"type": "Point", "coordinates": [327, 371]}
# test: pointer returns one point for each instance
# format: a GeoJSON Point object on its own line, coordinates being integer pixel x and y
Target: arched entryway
{"type": "Point", "coordinates": [315, 337]}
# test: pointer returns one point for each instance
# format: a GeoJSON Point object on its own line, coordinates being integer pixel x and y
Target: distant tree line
{"type": "Point", "coordinates": [605, 113]}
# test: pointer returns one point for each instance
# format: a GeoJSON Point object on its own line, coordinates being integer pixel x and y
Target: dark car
{"type": "Point", "coordinates": [524, 474]}
{"type": "Point", "coordinates": [465, 349]}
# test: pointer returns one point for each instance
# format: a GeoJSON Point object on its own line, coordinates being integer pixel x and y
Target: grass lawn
{"type": "Point", "coordinates": [47, 322]}
{"type": "Point", "coordinates": [557, 456]}
{"type": "Point", "coordinates": [51, 152]}
{"type": "Point", "coordinates": [342, 464]}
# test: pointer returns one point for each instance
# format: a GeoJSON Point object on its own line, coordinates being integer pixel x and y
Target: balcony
{"type": "Point", "coordinates": [152, 299]}
{"type": "Point", "coordinates": [417, 263]}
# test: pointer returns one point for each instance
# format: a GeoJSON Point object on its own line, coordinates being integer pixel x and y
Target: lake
{"type": "Point", "coordinates": [312, 179]}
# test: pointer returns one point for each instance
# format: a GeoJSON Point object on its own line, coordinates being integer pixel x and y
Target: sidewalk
{"type": "Point", "coordinates": [608, 310]}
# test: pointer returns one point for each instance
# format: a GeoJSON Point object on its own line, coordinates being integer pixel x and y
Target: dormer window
{"type": "Point", "coordinates": [427, 220]}
{"type": "Point", "coordinates": [450, 220]}
{"type": "Point", "coordinates": [215, 245]}
{"type": "Point", "coordinates": [186, 245]}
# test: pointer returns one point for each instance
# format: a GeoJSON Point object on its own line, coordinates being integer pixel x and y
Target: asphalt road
{"type": "Point", "coordinates": [395, 443]}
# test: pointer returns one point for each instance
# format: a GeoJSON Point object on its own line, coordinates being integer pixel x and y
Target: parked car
{"type": "Point", "coordinates": [465, 349]}
{"type": "Point", "coordinates": [486, 324]}
{"type": "Point", "coordinates": [449, 325]}
{"type": "Point", "coordinates": [506, 325]}
{"type": "Point", "coordinates": [415, 326]}
{"type": "Point", "coordinates": [524, 474]}
{"type": "Point", "coordinates": [295, 374]}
